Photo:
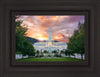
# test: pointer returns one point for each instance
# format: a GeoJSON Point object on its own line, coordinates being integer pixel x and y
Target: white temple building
{"type": "Point", "coordinates": [50, 45]}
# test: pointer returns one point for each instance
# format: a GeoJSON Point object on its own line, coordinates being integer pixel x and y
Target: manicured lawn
{"type": "Point", "coordinates": [49, 59]}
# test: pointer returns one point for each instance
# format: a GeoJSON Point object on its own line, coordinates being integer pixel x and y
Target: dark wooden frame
{"type": "Point", "coordinates": [12, 15]}
{"type": "Point", "coordinates": [9, 68]}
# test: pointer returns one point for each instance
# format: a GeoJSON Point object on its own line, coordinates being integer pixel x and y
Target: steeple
{"type": "Point", "coordinates": [50, 34]}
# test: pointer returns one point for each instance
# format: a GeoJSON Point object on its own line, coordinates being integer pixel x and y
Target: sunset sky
{"type": "Point", "coordinates": [62, 26]}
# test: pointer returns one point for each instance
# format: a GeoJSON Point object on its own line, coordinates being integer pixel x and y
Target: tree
{"type": "Point", "coordinates": [22, 44]}
{"type": "Point", "coordinates": [62, 52]}
{"type": "Point", "coordinates": [45, 51]}
{"type": "Point", "coordinates": [54, 51]}
{"type": "Point", "coordinates": [37, 51]}
{"type": "Point", "coordinates": [76, 42]}
{"type": "Point", "coordinates": [20, 38]}
{"type": "Point", "coordinates": [68, 52]}
{"type": "Point", "coordinates": [28, 49]}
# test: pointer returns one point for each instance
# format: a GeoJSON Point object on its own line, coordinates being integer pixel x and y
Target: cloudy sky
{"type": "Point", "coordinates": [62, 26]}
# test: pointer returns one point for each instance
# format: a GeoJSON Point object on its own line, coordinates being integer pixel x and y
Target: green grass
{"type": "Point", "coordinates": [61, 59]}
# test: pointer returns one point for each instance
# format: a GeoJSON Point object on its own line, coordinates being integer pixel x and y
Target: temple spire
{"type": "Point", "coordinates": [50, 34]}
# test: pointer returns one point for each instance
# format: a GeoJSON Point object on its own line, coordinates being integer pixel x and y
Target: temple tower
{"type": "Point", "coordinates": [50, 40]}
{"type": "Point", "coordinates": [50, 35]}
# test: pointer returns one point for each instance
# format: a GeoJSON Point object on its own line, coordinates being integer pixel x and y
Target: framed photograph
{"type": "Point", "coordinates": [50, 38]}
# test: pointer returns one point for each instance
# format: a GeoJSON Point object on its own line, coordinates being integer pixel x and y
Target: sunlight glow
{"type": "Point", "coordinates": [41, 39]}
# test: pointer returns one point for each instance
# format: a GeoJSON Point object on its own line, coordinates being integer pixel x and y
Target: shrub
{"type": "Point", "coordinates": [41, 55]}
{"type": "Point", "coordinates": [45, 51]}
{"type": "Point", "coordinates": [57, 55]}
{"type": "Point", "coordinates": [49, 55]}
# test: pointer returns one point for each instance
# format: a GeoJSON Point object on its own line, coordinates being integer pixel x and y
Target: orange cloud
{"type": "Point", "coordinates": [63, 16]}
{"type": "Point", "coordinates": [54, 17]}
{"type": "Point", "coordinates": [59, 36]}
{"type": "Point", "coordinates": [42, 18]}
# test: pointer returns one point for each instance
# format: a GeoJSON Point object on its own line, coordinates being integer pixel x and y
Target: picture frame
{"type": "Point", "coordinates": [40, 12]}
{"type": "Point", "coordinates": [10, 68]}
